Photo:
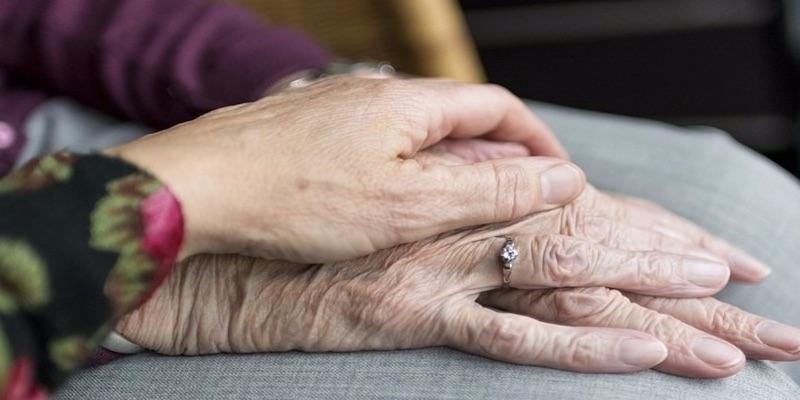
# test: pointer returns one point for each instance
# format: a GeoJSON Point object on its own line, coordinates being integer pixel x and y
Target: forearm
{"type": "Point", "coordinates": [82, 241]}
{"type": "Point", "coordinates": [155, 61]}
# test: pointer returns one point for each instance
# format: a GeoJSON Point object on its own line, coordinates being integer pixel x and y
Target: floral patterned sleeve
{"type": "Point", "coordinates": [83, 239]}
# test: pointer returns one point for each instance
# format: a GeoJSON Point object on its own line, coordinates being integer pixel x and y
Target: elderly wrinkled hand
{"type": "Point", "coordinates": [706, 338]}
{"type": "Point", "coordinates": [330, 171]}
{"type": "Point", "coordinates": [424, 294]}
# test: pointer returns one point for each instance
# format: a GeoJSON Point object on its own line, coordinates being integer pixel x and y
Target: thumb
{"type": "Point", "coordinates": [504, 189]}
{"type": "Point", "coordinates": [449, 196]}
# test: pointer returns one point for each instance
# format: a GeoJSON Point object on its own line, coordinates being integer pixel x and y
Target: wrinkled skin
{"type": "Point", "coordinates": [424, 294]}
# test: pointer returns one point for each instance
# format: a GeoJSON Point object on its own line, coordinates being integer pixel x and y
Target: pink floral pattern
{"type": "Point", "coordinates": [163, 232]}
{"type": "Point", "coordinates": [140, 220]}
{"type": "Point", "coordinates": [21, 385]}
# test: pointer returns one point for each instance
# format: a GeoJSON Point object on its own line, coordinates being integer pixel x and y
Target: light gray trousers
{"type": "Point", "coordinates": [701, 174]}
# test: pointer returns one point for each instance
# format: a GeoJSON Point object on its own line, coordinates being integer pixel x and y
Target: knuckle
{"type": "Point", "coordinates": [583, 349]}
{"type": "Point", "coordinates": [560, 261]}
{"type": "Point", "coordinates": [657, 270]}
{"type": "Point", "coordinates": [576, 306]}
{"type": "Point", "coordinates": [510, 179]}
{"type": "Point", "coordinates": [597, 229]}
{"type": "Point", "coordinates": [661, 325]}
{"type": "Point", "coordinates": [581, 215]}
{"type": "Point", "coordinates": [502, 336]}
{"type": "Point", "coordinates": [728, 319]}
{"type": "Point", "coordinates": [650, 302]}
{"type": "Point", "coordinates": [571, 218]}
{"type": "Point", "coordinates": [651, 319]}
{"type": "Point", "coordinates": [406, 101]}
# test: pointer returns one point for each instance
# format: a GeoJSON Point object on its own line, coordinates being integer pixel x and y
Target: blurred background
{"type": "Point", "coordinates": [730, 64]}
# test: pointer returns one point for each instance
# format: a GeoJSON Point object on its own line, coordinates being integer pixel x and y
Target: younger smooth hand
{"type": "Point", "coordinates": [330, 171]}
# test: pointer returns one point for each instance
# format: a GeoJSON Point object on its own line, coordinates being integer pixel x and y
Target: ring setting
{"type": "Point", "coordinates": [508, 254]}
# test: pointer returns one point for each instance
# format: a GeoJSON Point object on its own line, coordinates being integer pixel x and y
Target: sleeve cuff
{"type": "Point", "coordinates": [119, 344]}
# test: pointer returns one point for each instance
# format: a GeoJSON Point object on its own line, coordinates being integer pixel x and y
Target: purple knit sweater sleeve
{"type": "Point", "coordinates": [158, 62]}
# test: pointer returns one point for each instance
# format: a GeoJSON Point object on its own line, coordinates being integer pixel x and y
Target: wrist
{"type": "Point", "coordinates": [163, 167]}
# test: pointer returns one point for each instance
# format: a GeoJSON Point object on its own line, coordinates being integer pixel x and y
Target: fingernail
{"type": "Point", "coordinates": [716, 353]}
{"type": "Point", "coordinates": [707, 274]}
{"type": "Point", "coordinates": [779, 336]}
{"type": "Point", "coordinates": [642, 352]}
{"type": "Point", "coordinates": [749, 265]}
{"type": "Point", "coordinates": [561, 184]}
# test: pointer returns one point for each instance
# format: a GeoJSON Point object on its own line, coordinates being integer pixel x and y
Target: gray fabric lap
{"type": "Point", "coordinates": [435, 373]}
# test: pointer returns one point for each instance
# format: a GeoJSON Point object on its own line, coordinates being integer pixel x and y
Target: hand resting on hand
{"type": "Point", "coordinates": [445, 291]}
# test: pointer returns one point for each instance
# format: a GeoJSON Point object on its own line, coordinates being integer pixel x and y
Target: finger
{"type": "Point", "coordinates": [692, 352]}
{"type": "Point", "coordinates": [562, 261]}
{"type": "Point", "coordinates": [490, 191]}
{"type": "Point", "coordinates": [758, 337]}
{"type": "Point", "coordinates": [609, 231]}
{"type": "Point", "coordinates": [452, 152]}
{"type": "Point", "coordinates": [476, 150]}
{"type": "Point", "coordinates": [522, 340]}
{"type": "Point", "coordinates": [644, 214]}
{"type": "Point", "coordinates": [461, 110]}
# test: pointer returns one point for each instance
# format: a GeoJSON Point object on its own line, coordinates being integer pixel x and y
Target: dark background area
{"type": "Point", "coordinates": [721, 63]}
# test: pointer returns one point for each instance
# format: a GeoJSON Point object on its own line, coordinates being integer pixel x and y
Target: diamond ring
{"type": "Point", "coordinates": [508, 254]}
